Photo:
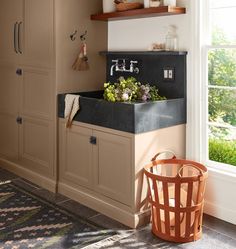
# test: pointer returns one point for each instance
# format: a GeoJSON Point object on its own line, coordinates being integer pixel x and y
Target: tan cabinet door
{"type": "Point", "coordinates": [38, 32]}
{"type": "Point", "coordinates": [27, 32]}
{"type": "Point", "coordinates": [36, 138]}
{"type": "Point", "coordinates": [9, 90]}
{"type": "Point", "coordinates": [9, 97]}
{"type": "Point", "coordinates": [37, 93]}
{"type": "Point", "coordinates": [112, 165]}
{"type": "Point", "coordinates": [10, 16]}
{"type": "Point", "coordinates": [75, 154]}
{"type": "Point", "coordinates": [8, 136]}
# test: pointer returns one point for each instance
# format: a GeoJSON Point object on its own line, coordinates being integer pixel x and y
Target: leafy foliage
{"type": "Point", "coordinates": [130, 90]}
{"type": "Point", "coordinates": [222, 151]}
{"type": "Point", "coordinates": [222, 102]}
{"type": "Point", "coordinates": [222, 72]}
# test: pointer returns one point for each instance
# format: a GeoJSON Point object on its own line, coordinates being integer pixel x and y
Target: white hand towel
{"type": "Point", "coordinates": [71, 108]}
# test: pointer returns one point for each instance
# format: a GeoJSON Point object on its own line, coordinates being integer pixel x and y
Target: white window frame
{"type": "Point", "coordinates": [206, 47]}
{"type": "Point", "coordinates": [197, 102]}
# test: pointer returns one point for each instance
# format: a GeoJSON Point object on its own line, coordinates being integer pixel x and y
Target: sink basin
{"type": "Point", "coordinates": [132, 117]}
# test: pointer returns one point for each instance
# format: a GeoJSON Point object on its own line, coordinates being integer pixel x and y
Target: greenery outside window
{"type": "Point", "coordinates": [221, 87]}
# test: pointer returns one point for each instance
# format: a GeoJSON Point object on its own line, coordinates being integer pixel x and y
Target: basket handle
{"type": "Point", "coordinates": [191, 166]}
{"type": "Point", "coordinates": [162, 152]}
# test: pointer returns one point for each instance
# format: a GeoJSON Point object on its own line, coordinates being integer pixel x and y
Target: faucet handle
{"type": "Point", "coordinates": [134, 69]}
{"type": "Point", "coordinates": [115, 61]}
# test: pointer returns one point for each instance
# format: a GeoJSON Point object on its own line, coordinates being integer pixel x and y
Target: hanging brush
{"type": "Point", "coordinates": [81, 62]}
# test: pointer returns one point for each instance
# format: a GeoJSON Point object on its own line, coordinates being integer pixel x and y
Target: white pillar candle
{"type": "Point", "coordinates": [155, 3]}
{"type": "Point", "coordinates": [170, 3]}
{"type": "Point", "coordinates": [146, 3]}
{"type": "Point", "coordinates": [109, 6]}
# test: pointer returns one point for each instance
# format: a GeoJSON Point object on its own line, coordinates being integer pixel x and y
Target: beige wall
{"type": "Point", "coordinates": [72, 15]}
{"type": "Point", "coordinates": [138, 34]}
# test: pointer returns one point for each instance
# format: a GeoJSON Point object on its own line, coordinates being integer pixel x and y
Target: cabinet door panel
{"type": "Point", "coordinates": [10, 13]}
{"type": "Point", "coordinates": [38, 33]}
{"type": "Point", "coordinates": [112, 160]}
{"type": "Point", "coordinates": [36, 145]}
{"type": "Point", "coordinates": [8, 136]}
{"type": "Point", "coordinates": [37, 93]}
{"type": "Point", "coordinates": [76, 155]}
{"type": "Point", "coordinates": [9, 90]}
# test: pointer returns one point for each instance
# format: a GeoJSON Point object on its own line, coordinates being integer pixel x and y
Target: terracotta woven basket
{"type": "Point", "coordinates": [176, 190]}
{"type": "Point", "coordinates": [128, 6]}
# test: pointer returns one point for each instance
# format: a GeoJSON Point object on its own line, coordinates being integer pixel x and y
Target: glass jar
{"type": "Point", "coordinates": [171, 43]}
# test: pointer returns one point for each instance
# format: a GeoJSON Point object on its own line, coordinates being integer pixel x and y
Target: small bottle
{"type": "Point", "coordinates": [171, 39]}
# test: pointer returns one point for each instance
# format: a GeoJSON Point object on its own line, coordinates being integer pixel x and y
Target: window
{"type": "Point", "coordinates": [220, 91]}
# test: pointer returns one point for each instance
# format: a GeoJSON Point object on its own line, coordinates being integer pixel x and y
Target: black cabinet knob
{"type": "Point", "coordinates": [93, 140]}
{"type": "Point", "coordinates": [19, 71]}
{"type": "Point", "coordinates": [19, 120]}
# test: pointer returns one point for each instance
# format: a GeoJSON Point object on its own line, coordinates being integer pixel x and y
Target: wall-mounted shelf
{"type": "Point", "coordinates": [139, 13]}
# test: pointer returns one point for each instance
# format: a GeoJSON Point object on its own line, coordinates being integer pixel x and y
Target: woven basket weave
{"type": "Point", "coordinates": [128, 6]}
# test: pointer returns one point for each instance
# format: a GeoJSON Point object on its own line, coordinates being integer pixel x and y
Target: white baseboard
{"type": "Point", "coordinates": [220, 212]}
{"type": "Point", "coordinates": [107, 208]}
{"type": "Point", "coordinates": [34, 177]}
{"type": "Point", "coordinates": [221, 195]}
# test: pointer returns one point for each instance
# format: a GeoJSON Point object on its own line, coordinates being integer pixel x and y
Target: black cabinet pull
{"type": "Point", "coordinates": [19, 38]}
{"type": "Point", "coordinates": [93, 140]}
{"type": "Point", "coordinates": [15, 43]}
{"type": "Point", "coordinates": [19, 71]}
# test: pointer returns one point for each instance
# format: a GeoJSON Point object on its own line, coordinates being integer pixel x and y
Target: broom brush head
{"type": "Point", "coordinates": [81, 62]}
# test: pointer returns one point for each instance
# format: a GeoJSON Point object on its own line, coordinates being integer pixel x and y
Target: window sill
{"type": "Point", "coordinates": [221, 168]}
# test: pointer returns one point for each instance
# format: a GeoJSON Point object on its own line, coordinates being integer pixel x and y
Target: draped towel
{"type": "Point", "coordinates": [71, 108]}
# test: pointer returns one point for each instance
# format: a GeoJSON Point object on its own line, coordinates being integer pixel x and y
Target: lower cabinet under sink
{"type": "Point", "coordinates": [106, 173]}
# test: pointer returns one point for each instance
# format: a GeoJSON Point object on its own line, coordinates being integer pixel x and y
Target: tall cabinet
{"type": "Point", "coordinates": [35, 64]}
{"type": "Point", "coordinates": [27, 87]}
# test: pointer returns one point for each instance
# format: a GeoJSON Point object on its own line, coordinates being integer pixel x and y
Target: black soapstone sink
{"type": "Point", "coordinates": [132, 117]}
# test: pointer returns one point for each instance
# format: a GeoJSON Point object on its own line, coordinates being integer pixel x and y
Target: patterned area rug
{"type": "Point", "coordinates": [27, 221]}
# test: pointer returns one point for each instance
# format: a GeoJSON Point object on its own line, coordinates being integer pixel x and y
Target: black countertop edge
{"type": "Point", "coordinates": [144, 52]}
{"type": "Point", "coordinates": [138, 102]}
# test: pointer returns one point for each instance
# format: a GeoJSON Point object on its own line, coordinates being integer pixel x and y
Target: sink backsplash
{"type": "Point", "coordinates": [136, 117]}
{"type": "Point", "coordinates": [166, 70]}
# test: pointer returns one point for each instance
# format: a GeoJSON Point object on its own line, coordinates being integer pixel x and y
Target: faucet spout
{"type": "Point", "coordinates": [112, 67]}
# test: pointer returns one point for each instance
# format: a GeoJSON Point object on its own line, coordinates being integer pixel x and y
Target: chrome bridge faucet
{"type": "Point", "coordinates": [121, 67]}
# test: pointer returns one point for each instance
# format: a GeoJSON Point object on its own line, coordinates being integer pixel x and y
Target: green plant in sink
{"type": "Point", "coordinates": [130, 89]}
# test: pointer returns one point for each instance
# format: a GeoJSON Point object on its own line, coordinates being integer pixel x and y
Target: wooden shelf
{"type": "Point", "coordinates": [139, 13]}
